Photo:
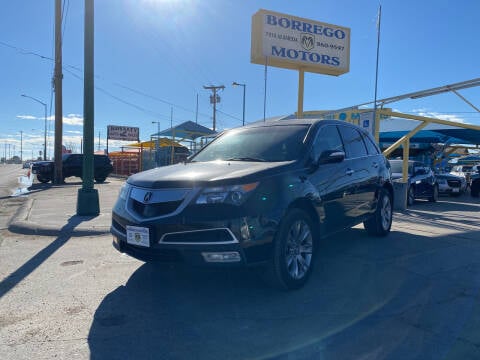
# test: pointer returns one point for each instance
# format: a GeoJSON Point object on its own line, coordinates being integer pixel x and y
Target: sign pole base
{"type": "Point", "coordinates": [87, 202]}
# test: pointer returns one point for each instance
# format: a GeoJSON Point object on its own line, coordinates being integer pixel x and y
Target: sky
{"type": "Point", "coordinates": [153, 58]}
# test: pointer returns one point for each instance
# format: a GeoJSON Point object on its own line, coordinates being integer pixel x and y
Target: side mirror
{"type": "Point", "coordinates": [331, 156]}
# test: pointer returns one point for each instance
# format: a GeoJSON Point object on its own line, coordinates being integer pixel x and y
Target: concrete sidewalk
{"type": "Point", "coordinates": [50, 210]}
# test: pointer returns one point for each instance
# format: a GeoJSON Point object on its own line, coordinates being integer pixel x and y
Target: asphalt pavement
{"type": "Point", "coordinates": [414, 294]}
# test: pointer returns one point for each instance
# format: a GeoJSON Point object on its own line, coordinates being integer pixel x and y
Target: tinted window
{"type": "Point", "coordinates": [269, 143]}
{"type": "Point", "coordinates": [371, 146]}
{"type": "Point", "coordinates": [328, 138]}
{"type": "Point", "coordinates": [352, 140]}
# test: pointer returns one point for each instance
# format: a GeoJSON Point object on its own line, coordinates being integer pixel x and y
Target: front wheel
{"type": "Point", "coordinates": [410, 196]}
{"type": "Point", "coordinates": [100, 179]}
{"type": "Point", "coordinates": [475, 188]}
{"type": "Point", "coordinates": [293, 252]}
{"type": "Point", "coordinates": [381, 221]}
{"type": "Point", "coordinates": [434, 196]}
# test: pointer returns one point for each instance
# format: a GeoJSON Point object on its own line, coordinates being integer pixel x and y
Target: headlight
{"type": "Point", "coordinates": [124, 191]}
{"type": "Point", "coordinates": [235, 194]}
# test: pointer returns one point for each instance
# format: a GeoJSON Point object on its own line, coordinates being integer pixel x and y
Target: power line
{"type": "Point", "coordinates": [66, 68]}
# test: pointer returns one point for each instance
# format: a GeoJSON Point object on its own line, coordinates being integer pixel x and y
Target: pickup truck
{"type": "Point", "coordinates": [72, 166]}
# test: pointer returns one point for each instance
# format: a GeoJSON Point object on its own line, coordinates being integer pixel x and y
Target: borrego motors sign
{"type": "Point", "coordinates": [126, 133]}
{"type": "Point", "coordinates": [296, 43]}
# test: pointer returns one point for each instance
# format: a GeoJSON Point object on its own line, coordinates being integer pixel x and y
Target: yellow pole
{"type": "Point", "coordinates": [377, 126]}
{"type": "Point", "coordinates": [406, 155]}
{"type": "Point", "coordinates": [301, 78]}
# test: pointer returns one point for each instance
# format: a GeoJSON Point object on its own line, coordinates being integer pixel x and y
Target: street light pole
{"type": "Point", "coordinates": [157, 144]}
{"type": "Point", "coordinates": [244, 90]}
{"type": "Point", "coordinates": [45, 131]}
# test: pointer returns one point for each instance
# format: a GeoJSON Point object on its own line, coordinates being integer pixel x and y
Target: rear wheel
{"type": "Point", "coordinates": [42, 179]}
{"type": "Point", "coordinates": [293, 252]}
{"type": "Point", "coordinates": [381, 221]}
{"type": "Point", "coordinates": [100, 179]}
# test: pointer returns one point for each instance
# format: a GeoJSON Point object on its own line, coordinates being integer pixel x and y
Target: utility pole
{"type": "Point", "coordinates": [58, 93]}
{"type": "Point", "coordinates": [21, 146]}
{"type": "Point", "coordinates": [213, 100]}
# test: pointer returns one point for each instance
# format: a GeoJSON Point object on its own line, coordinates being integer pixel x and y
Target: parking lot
{"type": "Point", "coordinates": [413, 294]}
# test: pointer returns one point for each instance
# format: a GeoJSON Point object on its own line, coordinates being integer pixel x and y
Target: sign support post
{"type": "Point", "coordinates": [301, 78]}
{"type": "Point", "coordinates": [87, 200]}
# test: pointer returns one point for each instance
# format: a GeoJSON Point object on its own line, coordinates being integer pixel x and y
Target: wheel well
{"type": "Point", "coordinates": [388, 186]}
{"type": "Point", "coordinates": [307, 206]}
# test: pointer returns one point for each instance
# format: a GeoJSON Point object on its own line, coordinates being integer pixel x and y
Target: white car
{"type": "Point", "coordinates": [451, 184]}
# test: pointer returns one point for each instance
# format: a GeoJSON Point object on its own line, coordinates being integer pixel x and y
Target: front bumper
{"type": "Point", "coordinates": [247, 239]}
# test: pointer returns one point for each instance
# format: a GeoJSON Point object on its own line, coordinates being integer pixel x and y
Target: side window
{"type": "Point", "coordinates": [354, 145]}
{"type": "Point", "coordinates": [327, 138]}
{"type": "Point", "coordinates": [371, 146]}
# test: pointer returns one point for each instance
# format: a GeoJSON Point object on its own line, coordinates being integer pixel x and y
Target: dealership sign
{"type": "Point", "coordinates": [123, 133]}
{"type": "Point", "coordinates": [295, 43]}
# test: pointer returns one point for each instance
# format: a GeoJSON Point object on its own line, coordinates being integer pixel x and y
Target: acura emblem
{"type": "Point", "coordinates": [147, 197]}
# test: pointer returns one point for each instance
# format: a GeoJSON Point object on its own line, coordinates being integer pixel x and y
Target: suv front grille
{"type": "Point", "coordinates": [156, 209]}
{"type": "Point", "coordinates": [453, 183]}
{"type": "Point", "coordinates": [146, 203]}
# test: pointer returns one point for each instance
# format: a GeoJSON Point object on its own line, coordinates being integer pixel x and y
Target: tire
{"type": "Point", "coordinates": [293, 252]}
{"type": "Point", "coordinates": [381, 221]}
{"type": "Point", "coordinates": [100, 179]}
{"type": "Point", "coordinates": [434, 196]}
{"type": "Point", "coordinates": [42, 179]}
{"type": "Point", "coordinates": [475, 188]}
{"type": "Point", "coordinates": [410, 196]}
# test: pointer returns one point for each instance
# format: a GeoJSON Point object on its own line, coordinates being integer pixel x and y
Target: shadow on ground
{"type": "Point", "coordinates": [368, 298]}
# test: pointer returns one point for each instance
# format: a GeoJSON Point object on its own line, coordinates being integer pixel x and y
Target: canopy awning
{"type": "Point", "coordinates": [187, 130]}
{"type": "Point", "coordinates": [152, 144]}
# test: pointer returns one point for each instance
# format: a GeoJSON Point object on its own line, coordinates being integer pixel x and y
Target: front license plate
{"type": "Point", "coordinates": [139, 236]}
{"type": "Point", "coordinates": [455, 190]}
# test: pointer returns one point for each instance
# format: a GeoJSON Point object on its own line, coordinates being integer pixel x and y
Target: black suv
{"type": "Point", "coordinates": [73, 166]}
{"type": "Point", "coordinates": [422, 183]}
{"type": "Point", "coordinates": [259, 194]}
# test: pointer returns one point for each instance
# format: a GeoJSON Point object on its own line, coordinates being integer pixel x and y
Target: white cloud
{"type": "Point", "coordinates": [70, 119]}
{"type": "Point", "coordinates": [448, 117]}
{"type": "Point", "coordinates": [73, 132]}
{"type": "Point", "coordinates": [26, 117]}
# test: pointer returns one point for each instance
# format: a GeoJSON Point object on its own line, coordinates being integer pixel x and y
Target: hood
{"type": "Point", "coordinates": [448, 177]}
{"type": "Point", "coordinates": [398, 176]}
{"type": "Point", "coordinates": [203, 173]}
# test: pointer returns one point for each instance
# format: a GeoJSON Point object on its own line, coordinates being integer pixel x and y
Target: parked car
{"type": "Point", "coordinates": [475, 183]}
{"type": "Point", "coordinates": [72, 165]}
{"type": "Point", "coordinates": [26, 164]}
{"type": "Point", "coordinates": [422, 183]}
{"type": "Point", "coordinates": [262, 194]}
{"type": "Point", "coordinates": [451, 184]}
{"type": "Point", "coordinates": [463, 171]}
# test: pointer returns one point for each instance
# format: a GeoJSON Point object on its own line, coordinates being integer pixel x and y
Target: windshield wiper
{"type": "Point", "coordinates": [246, 158]}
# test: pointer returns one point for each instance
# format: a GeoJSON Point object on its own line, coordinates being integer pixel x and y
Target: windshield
{"type": "Point", "coordinates": [397, 167]}
{"type": "Point", "coordinates": [269, 143]}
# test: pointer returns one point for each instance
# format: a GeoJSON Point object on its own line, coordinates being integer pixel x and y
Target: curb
{"type": "Point", "coordinates": [19, 225]}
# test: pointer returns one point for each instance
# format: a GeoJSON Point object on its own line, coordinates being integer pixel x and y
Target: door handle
{"type": "Point", "coordinates": [349, 172]}
{"type": "Point", "coordinates": [375, 165]}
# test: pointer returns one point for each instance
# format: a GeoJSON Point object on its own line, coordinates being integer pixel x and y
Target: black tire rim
{"type": "Point", "coordinates": [299, 249]}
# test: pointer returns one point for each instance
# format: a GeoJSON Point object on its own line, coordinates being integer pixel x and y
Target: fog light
{"type": "Point", "coordinates": [231, 256]}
